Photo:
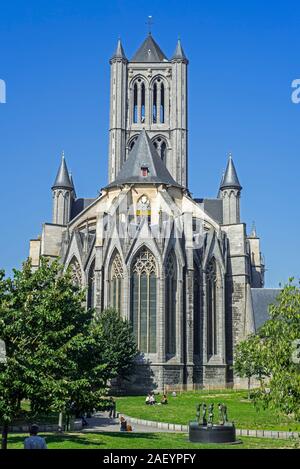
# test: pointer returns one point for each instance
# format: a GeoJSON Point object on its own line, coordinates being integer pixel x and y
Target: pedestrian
{"type": "Point", "coordinates": [34, 441]}
{"type": "Point", "coordinates": [84, 421]}
{"type": "Point", "coordinates": [112, 408]}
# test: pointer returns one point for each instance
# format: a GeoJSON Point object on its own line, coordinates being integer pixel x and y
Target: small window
{"type": "Point", "coordinates": [144, 171]}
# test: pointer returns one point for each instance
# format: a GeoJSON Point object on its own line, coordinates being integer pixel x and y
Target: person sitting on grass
{"type": "Point", "coordinates": [147, 400]}
{"type": "Point", "coordinates": [164, 400]}
{"type": "Point", "coordinates": [123, 424]}
{"type": "Point", "coordinates": [34, 441]}
{"type": "Point", "coordinates": [152, 400]}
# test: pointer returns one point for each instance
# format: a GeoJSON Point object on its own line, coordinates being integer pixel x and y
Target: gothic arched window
{"type": "Point", "coordinates": [154, 105]}
{"type": "Point", "coordinates": [211, 281]}
{"type": "Point", "coordinates": [158, 102]}
{"type": "Point", "coordinates": [161, 147]}
{"type": "Point", "coordinates": [143, 300]}
{"type": "Point", "coordinates": [116, 283]}
{"type": "Point", "coordinates": [171, 293]}
{"type": "Point", "coordinates": [91, 286]}
{"type": "Point", "coordinates": [131, 142]}
{"type": "Point", "coordinates": [197, 309]}
{"type": "Point", "coordinates": [139, 101]}
{"type": "Point", "coordinates": [143, 209]}
{"type": "Point", "coordinates": [135, 103]}
{"type": "Point", "coordinates": [162, 104]}
{"type": "Point", "coordinates": [76, 272]}
{"type": "Point", "coordinates": [143, 107]}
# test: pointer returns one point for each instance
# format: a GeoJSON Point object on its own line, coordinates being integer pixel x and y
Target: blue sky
{"type": "Point", "coordinates": [243, 58]}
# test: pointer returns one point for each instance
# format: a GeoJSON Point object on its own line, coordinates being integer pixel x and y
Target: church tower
{"type": "Point", "coordinates": [63, 195]}
{"type": "Point", "coordinates": [149, 92]}
{"type": "Point", "coordinates": [230, 192]}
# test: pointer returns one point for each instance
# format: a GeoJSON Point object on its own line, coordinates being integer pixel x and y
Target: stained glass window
{"type": "Point", "coordinates": [211, 308]}
{"type": "Point", "coordinates": [116, 283]}
{"type": "Point", "coordinates": [143, 300]}
{"type": "Point", "coordinates": [171, 288]}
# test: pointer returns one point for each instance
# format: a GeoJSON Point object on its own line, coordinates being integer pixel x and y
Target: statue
{"type": "Point", "coordinates": [204, 411]}
{"type": "Point", "coordinates": [225, 413]}
{"type": "Point", "coordinates": [221, 414]}
{"type": "Point", "coordinates": [211, 414]}
{"type": "Point", "coordinates": [198, 407]}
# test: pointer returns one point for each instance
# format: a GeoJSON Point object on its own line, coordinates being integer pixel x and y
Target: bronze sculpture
{"type": "Point", "coordinates": [211, 414]}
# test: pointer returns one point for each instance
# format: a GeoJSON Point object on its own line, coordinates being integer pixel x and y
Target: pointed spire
{"type": "Point", "coordinates": [179, 53]}
{"type": "Point", "coordinates": [230, 178]}
{"type": "Point", "coordinates": [149, 52]}
{"type": "Point", "coordinates": [119, 54]}
{"type": "Point", "coordinates": [72, 182]}
{"type": "Point", "coordinates": [62, 179]}
{"type": "Point", "coordinates": [143, 165]}
{"type": "Point", "coordinates": [253, 231]}
{"type": "Point", "coordinates": [221, 183]}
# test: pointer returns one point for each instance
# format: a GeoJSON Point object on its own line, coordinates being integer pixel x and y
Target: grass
{"type": "Point", "coordinates": [182, 409]}
{"type": "Point", "coordinates": [141, 440]}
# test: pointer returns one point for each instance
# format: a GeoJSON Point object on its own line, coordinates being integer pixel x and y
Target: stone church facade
{"type": "Point", "coordinates": [182, 270]}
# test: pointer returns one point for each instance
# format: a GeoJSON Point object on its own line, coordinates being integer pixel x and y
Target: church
{"type": "Point", "coordinates": [184, 271]}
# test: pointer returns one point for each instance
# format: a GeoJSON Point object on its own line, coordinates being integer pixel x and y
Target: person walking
{"type": "Point", "coordinates": [34, 441]}
{"type": "Point", "coordinates": [112, 408]}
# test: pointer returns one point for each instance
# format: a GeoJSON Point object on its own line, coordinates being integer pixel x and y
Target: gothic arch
{"type": "Point", "coordinates": [139, 90]}
{"type": "Point", "coordinates": [143, 301]}
{"type": "Point", "coordinates": [91, 285]}
{"type": "Point", "coordinates": [116, 281]}
{"type": "Point", "coordinates": [197, 308]}
{"type": "Point", "coordinates": [159, 99]}
{"type": "Point", "coordinates": [161, 145]}
{"type": "Point", "coordinates": [76, 271]}
{"type": "Point", "coordinates": [171, 279]}
{"type": "Point", "coordinates": [212, 307]}
{"type": "Point", "coordinates": [131, 142]}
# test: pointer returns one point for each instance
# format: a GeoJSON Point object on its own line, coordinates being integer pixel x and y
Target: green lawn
{"type": "Point", "coordinates": [182, 409]}
{"type": "Point", "coordinates": [140, 440]}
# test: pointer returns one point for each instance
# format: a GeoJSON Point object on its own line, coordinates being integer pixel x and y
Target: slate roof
{"type": "Point", "coordinates": [119, 54]}
{"type": "Point", "coordinates": [62, 180]}
{"type": "Point", "coordinates": [79, 205]}
{"type": "Point", "coordinates": [179, 52]}
{"type": "Point", "coordinates": [230, 179]}
{"type": "Point", "coordinates": [143, 155]}
{"type": "Point", "coordinates": [149, 52]}
{"type": "Point", "coordinates": [261, 299]}
{"type": "Point", "coordinates": [214, 208]}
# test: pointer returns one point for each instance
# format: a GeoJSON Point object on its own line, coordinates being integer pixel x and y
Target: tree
{"type": "Point", "coordinates": [56, 354]}
{"type": "Point", "coordinates": [119, 345]}
{"type": "Point", "coordinates": [274, 349]}
{"type": "Point", "coordinates": [248, 360]}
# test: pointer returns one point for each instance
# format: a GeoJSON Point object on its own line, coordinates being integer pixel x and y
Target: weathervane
{"type": "Point", "coordinates": [150, 23]}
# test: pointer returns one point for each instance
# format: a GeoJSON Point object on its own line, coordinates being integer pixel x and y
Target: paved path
{"type": "Point", "coordinates": [100, 422]}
